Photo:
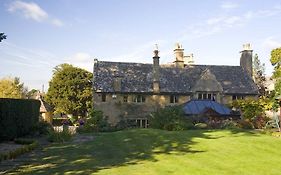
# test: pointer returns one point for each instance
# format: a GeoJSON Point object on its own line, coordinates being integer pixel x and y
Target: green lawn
{"type": "Point", "coordinates": [148, 151]}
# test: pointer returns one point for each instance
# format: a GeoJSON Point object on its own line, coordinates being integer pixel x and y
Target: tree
{"type": "Point", "coordinates": [2, 36]}
{"type": "Point", "coordinates": [259, 75]}
{"type": "Point", "coordinates": [276, 62]}
{"type": "Point", "coordinates": [70, 90]}
{"type": "Point", "coordinates": [12, 88]}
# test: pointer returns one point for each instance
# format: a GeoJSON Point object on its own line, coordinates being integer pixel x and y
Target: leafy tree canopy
{"type": "Point", "coordinates": [259, 75]}
{"type": "Point", "coordinates": [276, 62]}
{"type": "Point", "coordinates": [2, 36]}
{"type": "Point", "coordinates": [12, 88]}
{"type": "Point", "coordinates": [70, 90]}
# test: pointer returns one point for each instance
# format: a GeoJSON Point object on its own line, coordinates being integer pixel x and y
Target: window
{"type": "Point", "coordinates": [139, 99]}
{"type": "Point", "coordinates": [125, 98]}
{"type": "Point", "coordinates": [209, 96]}
{"type": "Point", "coordinates": [174, 99]}
{"type": "Point", "coordinates": [138, 123]}
{"type": "Point", "coordinates": [103, 97]}
{"type": "Point", "coordinates": [237, 97]}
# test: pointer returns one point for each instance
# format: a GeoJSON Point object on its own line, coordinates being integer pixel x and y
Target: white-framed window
{"type": "Point", "coordinates": [139, 99]}
{"type": "Point", "coordinates": [206, 96]}
{"type": "Point", "coordinates": [174, 99]}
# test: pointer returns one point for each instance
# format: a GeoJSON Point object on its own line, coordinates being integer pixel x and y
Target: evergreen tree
{"type": "Point", "coordinates": [259, 75]}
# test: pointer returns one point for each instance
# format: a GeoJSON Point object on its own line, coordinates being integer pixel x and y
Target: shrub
{"type": "Point", "coordinates": [95, 122]}
{"type": "Point", "coordinates": [259, 122]}
{"type": "Point", "coordinates": [17, 117]}
{"type": "Point", "coordinates": [23, 141]}
{"type": "Point", "coordinates": [229, 124]}
{"type": "Point", "coordinates": [41, 128]}
{"type": "Point", "coordinates": [245, 124]}
{"type": "Point", "coordinates": [170, 118]}
{"type": "Point", "coordinates": [54, 136]}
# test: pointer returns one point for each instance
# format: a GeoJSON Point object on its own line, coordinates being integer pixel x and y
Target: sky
{"type": "Point", "coordinates": [44, 34]}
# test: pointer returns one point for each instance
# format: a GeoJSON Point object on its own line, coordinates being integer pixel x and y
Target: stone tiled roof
{"type": "Point", "coordinates": [138, 77]}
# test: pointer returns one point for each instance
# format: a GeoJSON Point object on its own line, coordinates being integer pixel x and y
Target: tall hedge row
{"type": "Point", "coordinates": [17, 117]}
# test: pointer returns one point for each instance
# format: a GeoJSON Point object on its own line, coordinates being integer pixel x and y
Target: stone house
{"type": "Point", "coordinates": [131, 91]}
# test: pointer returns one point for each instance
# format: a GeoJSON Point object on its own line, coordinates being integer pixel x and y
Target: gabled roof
{"type": "Point", "coordinates": [197, 107]}
{"type": "Point", "coordinates": [138, 77]}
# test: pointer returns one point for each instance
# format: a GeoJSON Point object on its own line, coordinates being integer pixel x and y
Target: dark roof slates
{"type": "Point", "coordinates": [137, 77]}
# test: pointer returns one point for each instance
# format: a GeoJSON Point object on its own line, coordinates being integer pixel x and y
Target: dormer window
{"type": "Point", "coordinates": [206, 96]}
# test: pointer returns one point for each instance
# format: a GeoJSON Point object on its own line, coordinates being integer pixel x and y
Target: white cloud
{"type": "Point", "coordinates": [82, 60]}
{"type": "Point", "coordinates": [270, 43]}
{"type": "Point", "coordinates": [228, 5]}
{"type": "Point", "coordinates": [33, 11]}
{"type": "Point", "coordinates": [29, 10]}
{"type": "Point", "coordinates": [223, 22]}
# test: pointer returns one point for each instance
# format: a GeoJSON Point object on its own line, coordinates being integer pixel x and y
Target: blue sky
{"type": "Point", "coordinates": [43, 34]}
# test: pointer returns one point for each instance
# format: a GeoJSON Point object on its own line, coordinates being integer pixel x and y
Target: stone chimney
{"type": "Point", "coordinates": [189, 59]}
{"type": "Point", "coordinates": [117, 82]}
{"type": "Point", "coordinates": [246, 59]}
{"type": "Point", "coordinates": [156, 81]}
{"type": "Point", "coordinates": [179, 54]}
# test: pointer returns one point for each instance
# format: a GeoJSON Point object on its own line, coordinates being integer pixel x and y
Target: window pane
{"type": "Point", "coordinates": [171, 99]}
{"type": "Point", "coordinates": [209, 96]}
{"type": "Point", "coordinates": [200, 96]}
{"type": "Point", "coordinates": [204, 96]}
{"type": "Point", "coordinates": [125, 99]}
{"type": "Point", "coordinates": [214, 97]}
{"type": "Point", "coordinates": [103, 97]}
{"type": "Point", "coordinates": [176, 99]}
{"type": "Point", "coordinates": [142, 99]}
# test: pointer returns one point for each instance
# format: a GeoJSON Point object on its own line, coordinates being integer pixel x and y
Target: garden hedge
{"type": "Point", "coordinates": [17, 117]}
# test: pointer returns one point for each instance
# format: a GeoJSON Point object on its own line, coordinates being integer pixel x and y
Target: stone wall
{"type": "Point", "coordinates": [116, 109]}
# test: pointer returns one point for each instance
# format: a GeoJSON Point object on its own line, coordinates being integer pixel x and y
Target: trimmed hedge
{"type": "Point", "coordinates": [17, 117]}
{"type": "Point", "coordinates": [28, 145]}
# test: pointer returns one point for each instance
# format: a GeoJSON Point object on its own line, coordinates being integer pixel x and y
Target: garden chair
{"type": "Point", "coordinates": [274, 122]}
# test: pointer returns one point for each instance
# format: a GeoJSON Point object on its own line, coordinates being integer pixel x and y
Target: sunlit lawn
{"type": "Point", "coordinates": [148, 151]}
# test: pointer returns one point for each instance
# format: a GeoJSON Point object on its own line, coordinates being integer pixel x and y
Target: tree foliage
{"type": "Point", "coordinates": [12, 88]}
{"type": "Point", "coordinates": [70, 90]}
{"type": "Point", "coordinates": [252, 108]}
{"type": "Point", "coordinates": [170, 118]}
{"type": "Point", "coordinates": [2, 36]}
{"type": "Point", "coordinates": [259, 75]}
{"type": "Point", "coordinates": [276, 62]}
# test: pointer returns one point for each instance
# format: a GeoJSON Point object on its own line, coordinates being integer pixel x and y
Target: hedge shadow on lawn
{"type": "Point", "coordinates": [117, 149]}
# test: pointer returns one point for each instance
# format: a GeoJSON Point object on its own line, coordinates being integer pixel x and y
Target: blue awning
{"type": "Point", "coordinates": [196, 107]}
